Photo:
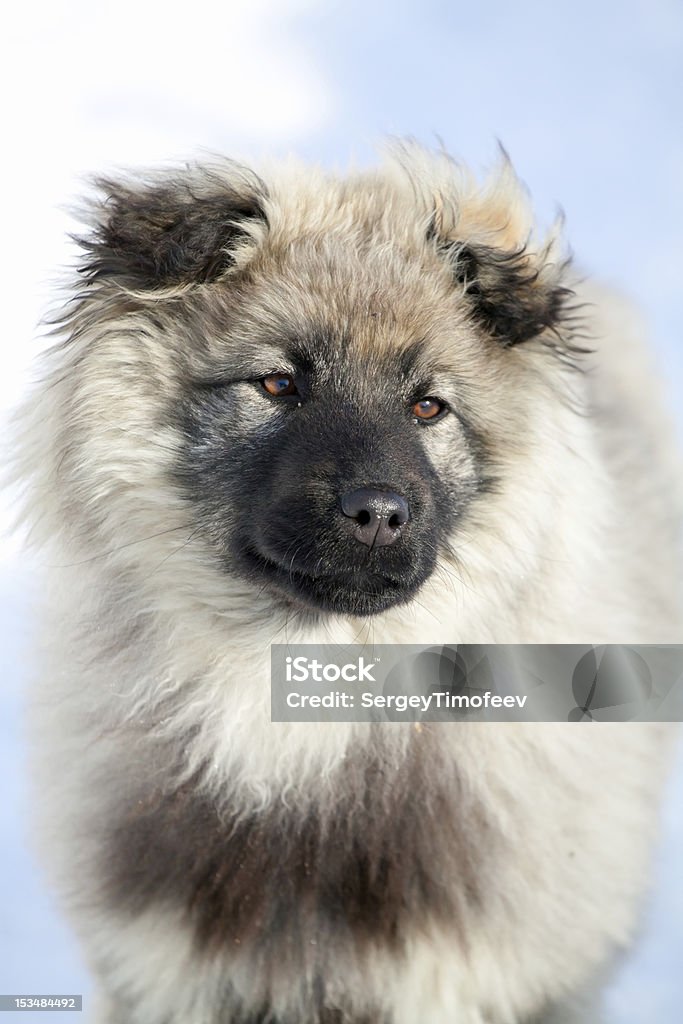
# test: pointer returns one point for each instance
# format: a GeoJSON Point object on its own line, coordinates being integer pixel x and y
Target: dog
{"type": "Point", "coordinates": [293, 407]}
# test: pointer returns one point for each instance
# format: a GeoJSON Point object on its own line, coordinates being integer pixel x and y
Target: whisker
{"type": "Point", "coordinates": [121, 547]}
{"type": "Point", "coordinates": [174, 552]}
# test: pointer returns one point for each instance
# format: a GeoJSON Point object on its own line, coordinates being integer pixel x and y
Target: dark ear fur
{"type": "Point", "coordinates": [512, 299]}
{"type": "Point", "coordinates": [515, 295]}
{"type": "Point", "coordinates": [175, 230]}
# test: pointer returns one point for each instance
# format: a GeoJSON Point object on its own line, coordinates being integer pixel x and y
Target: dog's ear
{"type": "Point", "coordinates": [516, 286]}
{"type": "Point", "coordinates": [515, 294]}
{"type": "Point", "coordinates": [175, 229]}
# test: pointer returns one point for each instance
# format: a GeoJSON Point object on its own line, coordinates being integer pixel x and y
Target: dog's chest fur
{"type": "Point", "coordinates": [394, 852]}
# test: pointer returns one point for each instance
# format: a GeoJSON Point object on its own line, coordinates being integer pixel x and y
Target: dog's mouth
{"type": "Point", "coordinates": [349, 592]}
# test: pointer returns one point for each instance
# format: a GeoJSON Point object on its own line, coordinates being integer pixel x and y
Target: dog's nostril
{"type": "Point", "coordinates": [379, 515]}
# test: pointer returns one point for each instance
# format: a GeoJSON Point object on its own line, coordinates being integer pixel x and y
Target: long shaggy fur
{"type": "Point", "coordinates": [222, 869]}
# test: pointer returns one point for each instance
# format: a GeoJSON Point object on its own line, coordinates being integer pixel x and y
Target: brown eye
{"type": "Point", "coordinates": [280, 385]}
{"type": "Point", "coordinates": [428, 409]}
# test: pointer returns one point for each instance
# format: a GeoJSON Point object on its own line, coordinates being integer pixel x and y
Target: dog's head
{"type": "Point", "coordinates": [324, 380]}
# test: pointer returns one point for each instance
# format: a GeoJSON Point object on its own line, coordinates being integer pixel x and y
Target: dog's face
{"type": "Point", "coordinates": [328, 455]}
{"type": "Point", "coordinates": [339, 361]}
{"type": "Point", "coordinates": [325, 473]}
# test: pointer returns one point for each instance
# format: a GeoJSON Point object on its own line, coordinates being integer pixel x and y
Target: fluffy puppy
{"type": "Point", "coordinates": [315, 409]}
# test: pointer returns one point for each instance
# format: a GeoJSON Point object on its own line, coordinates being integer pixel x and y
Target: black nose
{"type": "Point", "coordinates": [380, 515]}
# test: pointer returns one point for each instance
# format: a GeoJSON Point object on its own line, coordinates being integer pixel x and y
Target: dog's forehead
{"type": "Point", "coordinates": [360, 352]}
{"type": "Point", "coordinates": [363, 336]}
{"type": "Point", "coordinates": [354, 297]}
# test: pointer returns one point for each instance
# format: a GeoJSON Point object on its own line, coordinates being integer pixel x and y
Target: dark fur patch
{"type": "Point", "coordinates": [168, 234]}
{"type": "Point", "coordinates": [394, 854]}
{"type": "Point", "coordinates": [510, 299]}
{"type": "Point", "coordinates": [508, 295]}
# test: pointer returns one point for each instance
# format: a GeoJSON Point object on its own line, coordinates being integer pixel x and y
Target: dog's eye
{"type": "Point", "coordinates": [280, 385]}
{"type": "Point", "coordinates": [428, 409]}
